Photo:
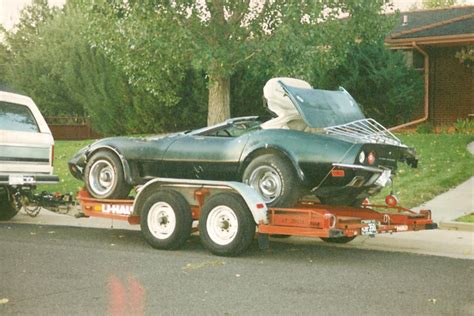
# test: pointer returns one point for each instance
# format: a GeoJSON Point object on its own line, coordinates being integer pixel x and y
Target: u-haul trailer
{"type": "Point", "coordinates": [230, 214]}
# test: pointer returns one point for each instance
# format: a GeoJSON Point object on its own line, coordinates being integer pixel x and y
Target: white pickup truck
{"type": "Point", "coordinates": [26, 151]}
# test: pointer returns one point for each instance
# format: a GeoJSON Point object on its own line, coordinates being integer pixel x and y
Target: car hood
{"type": "Point", "coordinates": [323, 108]}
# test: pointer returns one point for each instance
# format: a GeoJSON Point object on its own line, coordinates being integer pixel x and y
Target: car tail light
{"type": "Point", "coordinates": [338, 173]}
{"type": "Point", "coordinates": [371, 158]}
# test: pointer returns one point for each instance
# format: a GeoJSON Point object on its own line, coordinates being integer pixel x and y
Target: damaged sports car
{"type": "Point", "coordinates": [318, 143]}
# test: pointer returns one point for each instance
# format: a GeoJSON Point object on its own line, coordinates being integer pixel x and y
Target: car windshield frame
{"type": "Point", "coordinates": [213, 131]}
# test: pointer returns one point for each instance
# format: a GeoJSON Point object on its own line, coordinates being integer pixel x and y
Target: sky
{"type": "Point", "coordinates": [10, 9]}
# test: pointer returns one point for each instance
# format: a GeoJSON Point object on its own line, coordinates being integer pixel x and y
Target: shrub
{"type": "Point", "coordinates": [425, 128]}
{"type": "Point", "coordinates": [379, 79]}
{"type": "Point", "coordinates": [465, 126]}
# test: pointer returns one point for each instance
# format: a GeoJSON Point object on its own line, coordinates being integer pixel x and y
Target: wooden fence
{"type": "Point", "coordinates": [71, 128]}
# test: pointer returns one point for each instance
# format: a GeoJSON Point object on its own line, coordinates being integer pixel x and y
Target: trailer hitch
{"type": "Point", "coordinates": [33, 202]}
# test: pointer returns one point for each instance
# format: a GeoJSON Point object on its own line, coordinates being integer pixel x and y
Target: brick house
{"type": "Point", "coordinates": [434, 42]}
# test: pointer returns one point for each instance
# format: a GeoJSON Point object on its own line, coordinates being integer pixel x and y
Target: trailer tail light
{"type": "Point", "coordinates": [391, 200]}
{"type": "Point", "coordinates": [260, 205]}
{"type": "Point", "coordinates": [371, 158]}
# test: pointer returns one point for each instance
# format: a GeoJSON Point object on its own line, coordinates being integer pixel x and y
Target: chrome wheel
{"type": "Point", "coordinates": [102, 177]}
{"type": "Point", "coordinates": [161, 220]}
{"type": "Point", "coordinates": [222, 225]}
{"type": "Point", "coordinates": [267, 181]}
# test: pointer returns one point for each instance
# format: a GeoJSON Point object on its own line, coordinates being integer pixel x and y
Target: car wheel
{"type": "Point", "coordinates": [226, 225]}
{"type": "Point", "coordinates": [274, 179]}
{"type": "Point", "coordinates": [338, 240]}
{"type": "Point", "coordinates": [8, 207]}
{"type": "Point", "coordinates": [104, 177]}
{"type": "Point", "coordinates": [166, 219]}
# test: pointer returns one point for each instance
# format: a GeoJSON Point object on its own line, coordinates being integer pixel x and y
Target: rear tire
{"type": "Point", "coordinates": [226, 226]}
{"type": "Point", "coordinates": [104, 176]}
{"type": "Point", "coordinates": [275, 179]}
{"type": "Point", "coordinates": [338, 240]}
{"type": "Point", "coordinates": [8, 207]}
{"type": "Point", "coordinates": [166, 219]}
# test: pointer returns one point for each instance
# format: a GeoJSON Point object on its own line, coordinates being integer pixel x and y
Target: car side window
{"type": "Point", "coordinates": [17, 117]}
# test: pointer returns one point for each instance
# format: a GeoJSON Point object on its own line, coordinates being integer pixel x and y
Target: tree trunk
{"type": "Point", "coordinates": [219, 99]}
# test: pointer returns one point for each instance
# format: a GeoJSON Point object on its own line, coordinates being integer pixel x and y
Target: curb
{"type": "Point", "coordinates": [452, 225]}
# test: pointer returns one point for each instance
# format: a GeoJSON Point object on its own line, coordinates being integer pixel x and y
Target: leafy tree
{"type": "Point", "coordinates": [156, 42]}
{"type": "Point", "coordinates": [49, 58]}
{"type": "Point", "coordinates": [382, 83]}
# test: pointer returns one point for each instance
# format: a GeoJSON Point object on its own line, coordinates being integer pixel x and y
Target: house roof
{"type": "Point", "coordinates": [433, 26]}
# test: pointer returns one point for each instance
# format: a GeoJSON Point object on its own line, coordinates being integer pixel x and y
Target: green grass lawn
{"type": "Point", "coordinates": [444, 162]}
{"type": "Point", "coordinates": [466, 219]}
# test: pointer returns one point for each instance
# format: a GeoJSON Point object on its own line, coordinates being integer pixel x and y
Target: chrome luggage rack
{"type": "Point", "coordinates": [367, 130]}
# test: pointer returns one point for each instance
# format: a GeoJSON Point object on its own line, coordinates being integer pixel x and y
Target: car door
{"type": "Point", "coordinates": [204, 157]}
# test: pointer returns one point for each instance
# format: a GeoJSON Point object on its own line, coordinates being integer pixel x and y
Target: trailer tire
{"type": "Point", "coordinates": [226, 225]}
{"type": "Point", "coordinates": [338, 240]}
{"type": "Point", "coordinates": [165, 219]}
{"type": "Point", "coordinates": [8, 207]}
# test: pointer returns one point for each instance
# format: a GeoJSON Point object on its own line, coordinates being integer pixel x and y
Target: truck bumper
{"type": "Point", "coordinates": [28, 179]}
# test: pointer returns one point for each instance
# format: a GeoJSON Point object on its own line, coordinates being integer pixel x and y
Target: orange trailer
{"type": "Point", "coordinates": [231, 213]}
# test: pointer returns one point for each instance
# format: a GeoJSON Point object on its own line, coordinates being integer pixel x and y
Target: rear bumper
{"type": "Point", "coordinates": [28, 179]}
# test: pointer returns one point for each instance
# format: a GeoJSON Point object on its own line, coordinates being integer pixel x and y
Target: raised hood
{"type": "Point", "coordinates": [323, 108]}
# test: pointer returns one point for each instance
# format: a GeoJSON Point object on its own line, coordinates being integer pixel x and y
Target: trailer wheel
{"type": "Point", "coordinates": [226, 226]}
{"type": "Point", "coordinates": [338, 240]}
{"type": "Point", "coordinates": [166, 219]}
{"type": "Point", "coordinates": [8, 207]}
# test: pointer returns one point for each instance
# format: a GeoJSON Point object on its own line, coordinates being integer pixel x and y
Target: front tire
{"type": "Point", "coordinates": [275, 179]}
{"type": "Point", "coordinates": [104, 176]}
{"type": "Point", "coordinates": [8, 207]}
{"type": "Point", "coordinates": [226, 226]}
{"type": "Point", "coordinates": [166, 219]}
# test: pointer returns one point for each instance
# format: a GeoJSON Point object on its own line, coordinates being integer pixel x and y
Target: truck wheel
{"type": "Point", "coordinates": [226, 226]}
{"type": "Point", "coordinates": [166, 219]}
{"type": "Point", "coordinates": [274, 179]}
{"type": "Point", "coordinates": [104, 177]}
{"type": "Point", "coordinates": [8, 207]}
{"type": "Point", "coordinates": [338, 240]}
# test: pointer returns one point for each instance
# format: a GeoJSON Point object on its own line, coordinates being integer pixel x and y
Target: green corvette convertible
{"type": "Point", "coordinates": [318, 143]}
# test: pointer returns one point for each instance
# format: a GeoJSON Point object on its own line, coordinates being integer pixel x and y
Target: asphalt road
{"type": "Point", "coordinates": [52, 270]}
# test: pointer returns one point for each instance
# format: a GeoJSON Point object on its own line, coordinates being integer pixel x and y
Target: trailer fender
{"type": "Point", "coordinates": [254, 202]}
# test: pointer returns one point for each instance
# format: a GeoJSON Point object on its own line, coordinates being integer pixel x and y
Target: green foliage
{"type": "Point", "coordinates": [157, 42]}
{"type": "Point", "coordinates": [379, 79]}
{"type": "Point", "coordinates": [434, 4]}
{"type": "Point", "coordinates": [50, 59]}
{"type": "Point", "coordinates": [464, 126]}
{"type": "Point", "coordinates": [425, 128]}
